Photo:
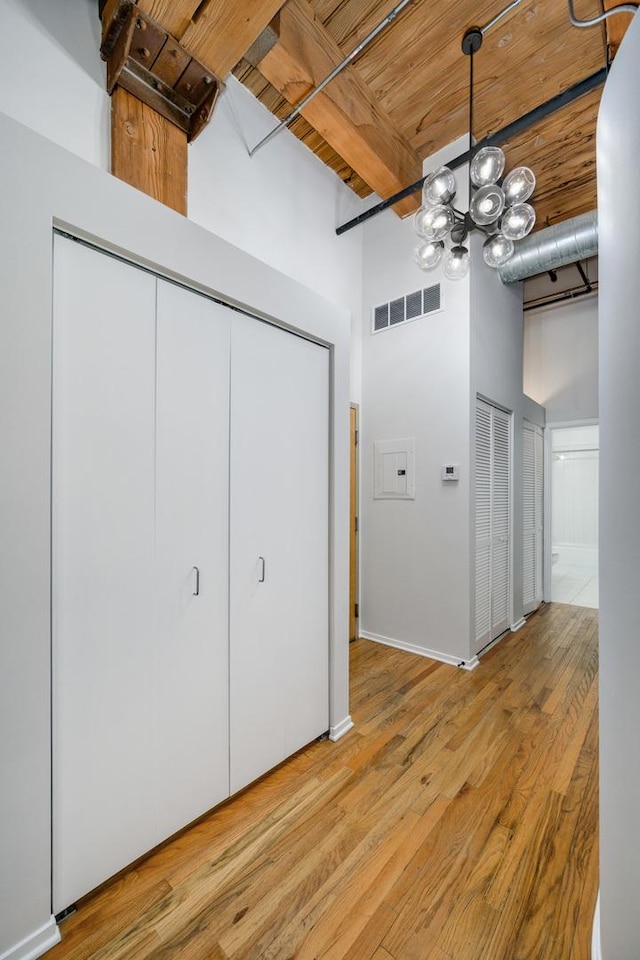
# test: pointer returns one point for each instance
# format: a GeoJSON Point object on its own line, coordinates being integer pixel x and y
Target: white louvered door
{"type": "Point", "coordinates": [532, 499]}
{"type": "Point", "coordinates": [483, 525]}
{"type": "Point", "coordinates": [493, 523]}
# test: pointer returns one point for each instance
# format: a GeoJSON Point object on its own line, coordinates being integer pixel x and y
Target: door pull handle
{"type": "Point", "coordinates": [263, 570]}
{"type": "Point", "coordinates": [196, 592]}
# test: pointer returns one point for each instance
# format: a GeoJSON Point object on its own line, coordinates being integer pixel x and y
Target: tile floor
{"type": "Point", "coordinates": [574, 584]}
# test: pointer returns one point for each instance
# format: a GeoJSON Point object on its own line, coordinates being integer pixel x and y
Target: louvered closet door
{"type": "Point", "coordinates": [104, 792]}
{"type": "Point", "coordinates": [483, 526]}
{"type": "Point", "coordinates": [501, 523]}
{"type": "Point", "coordinates": [192, 543]}
{"type": "Point", "coordinates": [532, 534]}
{"type": "Point", "coordinates": [279, 546]}
{"type": "Point", "coordinates": [493, 519]}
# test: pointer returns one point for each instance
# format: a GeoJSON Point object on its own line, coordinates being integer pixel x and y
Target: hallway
{"type": "Point", "coordinates": [457, 821]}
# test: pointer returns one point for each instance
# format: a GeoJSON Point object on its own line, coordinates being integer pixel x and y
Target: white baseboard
{"type": "Point", "coordinates": [596, 948]}
{"type": "Point", "coordinates": [470, 664]}
{"type": "Point", "coordinates": [35, 944]}
{"type": "Point", "coordinates": [518, 624]}
{"type": "Point", "coordinates": [338, 730]}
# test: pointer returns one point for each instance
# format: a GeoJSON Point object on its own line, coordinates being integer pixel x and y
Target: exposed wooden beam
{"type": "Point", "coordinates": [345, 114]}
{"type": "Point", "coordinates": [616, 27]}
{"type": "Point", "coordinates": [224, 31]}
{"type": "Point", "coordinates": [174, 15]}
{"type": "Point", "coordinates": [147, 151]}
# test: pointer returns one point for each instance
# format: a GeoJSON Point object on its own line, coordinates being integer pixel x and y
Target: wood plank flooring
{"type": "Point", "coordinates": [457, 821]}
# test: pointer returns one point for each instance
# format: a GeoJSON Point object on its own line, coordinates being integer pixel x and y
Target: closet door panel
{"type": "Point", "coordinates": [533, 492]}
{"type": "Point", "coordinates": [492, 523]}
{"type": "Point", "coordinates": [102, 561]}
{"type": "Point", "coordinates": [279, 546]}
{"type": "Point", "coordinates": [483, 527]}
{"type": "Point", "coordinates": [192, 490]}
{"type": "Point", "coordinates": [539, 507]}
{"type": "Point", "coordinates": [528, 519]}
{"type": "Point", "coordinates": [501, 523]}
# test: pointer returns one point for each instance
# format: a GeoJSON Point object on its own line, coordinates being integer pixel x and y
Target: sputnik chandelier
{"type": "Point", "coordinates": [498, 208]}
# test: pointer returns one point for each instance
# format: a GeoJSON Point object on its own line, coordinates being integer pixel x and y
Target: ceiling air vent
{"type": "Point", "coordinates": [410, 307]}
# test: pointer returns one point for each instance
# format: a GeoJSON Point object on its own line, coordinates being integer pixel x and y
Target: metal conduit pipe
{"type": "Point", "coordinates": [553, 247]}
{"type": "Point", "coordinates": [390, 17]}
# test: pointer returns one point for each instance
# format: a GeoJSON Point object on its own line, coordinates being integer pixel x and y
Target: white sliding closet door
{"type": "Point", "coordinates": [532, 498]}
{"type": "Point", "coordinates": [104, 793]}
{"type": "Point", "coordinates": [192, 544]}
{"type": "Point", "coordinates": [279, 546]}
{"type": "Point", "coordinates": [493, 523]}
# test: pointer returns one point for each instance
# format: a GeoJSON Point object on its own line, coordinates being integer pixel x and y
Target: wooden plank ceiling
{"type": "Point", "coordinates": [417, 80]}
{"type": "Point", "coordinates": [407, 94]}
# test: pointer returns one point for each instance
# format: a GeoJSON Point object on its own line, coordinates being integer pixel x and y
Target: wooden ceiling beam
{"type": "Point", "coordinates": [345, 113]}
{"type": "Point", "coordinates": [174, 15]}
{"type": "Point", "coordinates": [224, 31]}
{"type": "Point", "coordinates": [616, 27]}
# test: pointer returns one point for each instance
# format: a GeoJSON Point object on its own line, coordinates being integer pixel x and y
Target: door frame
{"type": "Point", "coordinates": [354, 521]}
{"type": "Point", "coordinates": [548, 495]}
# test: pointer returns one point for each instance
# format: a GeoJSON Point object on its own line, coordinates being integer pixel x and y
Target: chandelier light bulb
{"type": "Point", "coordinates": [497, 250]}
{"type": "Point", "coordinates": [517, 221]}
{"type": "Point", "coordinates": [429, 254]}
{"type": "Point", "coordinates": [519, 185]}
{"type": "Point", "coordinates": [487, 204]}
{"type": "Point", "coordinates": [433, 223]}
{"type": "Point", "coordinates": [456, 263]}
{"type": "Point", "coordinates": [487, 166]}
{"type": "Point", "coordinates": [439, 187]}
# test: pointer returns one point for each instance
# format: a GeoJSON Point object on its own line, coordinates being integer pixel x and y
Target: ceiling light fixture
{"type": "Point", "coordinates": [497, 207]}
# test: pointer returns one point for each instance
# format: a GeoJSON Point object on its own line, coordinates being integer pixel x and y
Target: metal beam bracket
{"type": "Point", "coordinates": [152, 65]}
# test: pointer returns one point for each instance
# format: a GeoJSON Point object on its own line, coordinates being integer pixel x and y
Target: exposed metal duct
{"type": "Point", "coordinates": [566, 242]}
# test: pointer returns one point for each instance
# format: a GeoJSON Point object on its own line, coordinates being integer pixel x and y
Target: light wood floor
{"type": "Point", "coordinates": [457, 821]}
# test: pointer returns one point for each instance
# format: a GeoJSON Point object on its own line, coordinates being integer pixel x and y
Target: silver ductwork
{"type": "Point", "coordinates": [566, 242]}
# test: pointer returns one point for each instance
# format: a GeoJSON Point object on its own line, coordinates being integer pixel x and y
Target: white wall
{"type": "Point", "coordinates": [415, 578]}
{"type": "Point", "coordinates": [420, 380]}
{"type": "Point", "coordinates": [282, 206]}
{"type": "Point", "coordinates": [51, 76]}
{"type": "Point", "coordinates": [561, 359]}
{"type": "Point", "coordinates": [618, 148]}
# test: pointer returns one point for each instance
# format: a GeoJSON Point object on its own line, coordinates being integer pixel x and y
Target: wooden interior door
{"type": "Point", "coordinates": [353, 528]}
{"type": "Point", "coordinates": [279, 522]}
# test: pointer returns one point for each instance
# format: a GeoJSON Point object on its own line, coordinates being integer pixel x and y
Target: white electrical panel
{"type": "Point", "coordinates": [451, 471]}
{"type": "Point", "coordinates": [394, 469]}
